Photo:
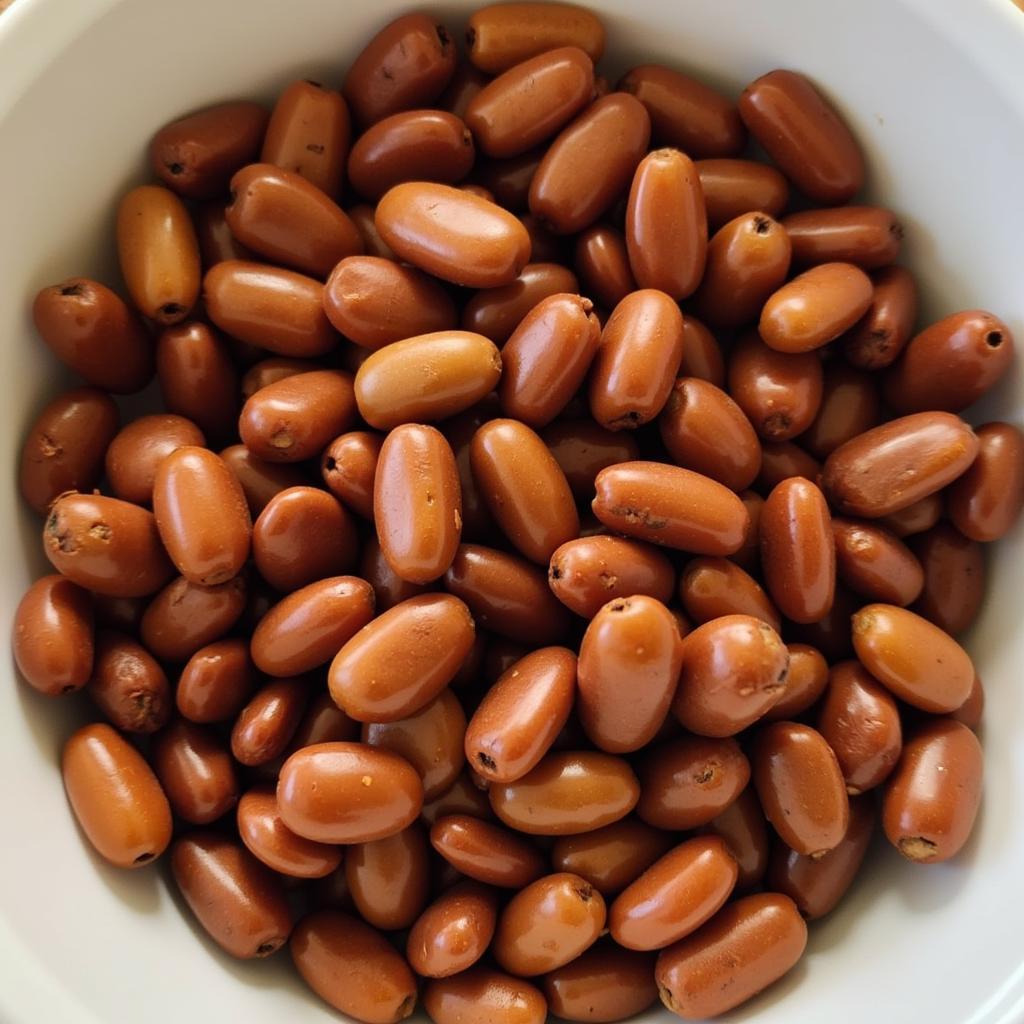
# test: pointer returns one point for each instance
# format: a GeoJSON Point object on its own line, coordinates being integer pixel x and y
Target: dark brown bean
{"type": "Point", "coordinates": [848, 407]}
{"type": "Point", "coordinates": [745, 832]}
{"type": "Point", "coordinates": [362, 215]}
{"type": "Point", "coordinates": [877, 340]}
{"type": "Point", "coordinates": [916, 518]}
{"type": "Point", "coordinates": [128, 685]}
{"type": "Point", "coordinates": [602, 262]}
{"type": "Point", "coordinates": [216, 243]}
{"type": "Point", "coordinates": [954, 577]}
{"type": "Point", "coordinates": [986, 501]}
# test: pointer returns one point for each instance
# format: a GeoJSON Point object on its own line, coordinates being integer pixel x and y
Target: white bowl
{"type": "Point", "coordinates": [935, 92]}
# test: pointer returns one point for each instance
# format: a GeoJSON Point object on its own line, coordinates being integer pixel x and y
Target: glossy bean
{"type": "Point", "coordinates": [261, 481]}
{"type": "Point", "coordinates": [216, 243]}
{"type": "Point", "coordinates": [917, 518]}
{"type": "Point", "coordinates": [137, 450]}
{"type": "Point", "coordinates": [986, 501]}
{"type": "Point", "coordinates": [805, 683]}
{"type": "Point", "coordinates": [745, 832]}
{"type": "Point", "coordinates": [849, 406]}
{"type": "Point", "coordinates": [265, 725]}
{"type": "Point", "coordinates": [502, 35]}
{"type": "Point", "coordinates": [612, 857]}
{"type": "Point", "coordinates": [781, 460]}
{"type": "Point", "coordinates": [482, 996]}
{"type": "Point", "coordinates": [362, 215]}
{"type": "Point", "coordinates": [453, 933]}
{"type": "Point", "coordinates": [879, 337]}
{"type": "Point", "coordinates": [712, 587]}
{"type": "Point", "coordinates": [734, 187]}
{"type": "Point", "coordinates": [184, 617]}
{"type": "Point", "coordinates": [215, 684]}
{"type": "Point", "coordinates": [509, 181]}
{"type": "Point", "coordinates": [461, 798]}
{"type": "Point", "coordinates": [463, 86]}
{"type": "Point", "coordinates": [128, 685]}
{"type": "Point", "coordinates": [970, 713]}
{"type": "Point", "coordinates": [954, 577]}
{"type": "Point", "coordinates": [604, 983]}
{"type": "Point", "coordinates": [486, 852]}
{"type": "Point", "coordinates": [348, 467]}
{"type": "Point", "coordinates": [875, 563]}
{"type": "Point", "coordinates": [388, 588]}
{"type": "Point", "coordinates": [388, 878]}
{"type": "Point", "coordinates": [867, 236]}
{"type": "Point", "coordinates": [601, 260]}
{"type": "Point", "coordinates": [196, 770]}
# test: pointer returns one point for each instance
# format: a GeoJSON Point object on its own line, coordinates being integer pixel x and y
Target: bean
{"type": "Point", "coordinates": [502, 35]}
{"type": "Point", "coordinates": [265, 725]}
{"type": "Point", "coordinates": [745, 832]}
{"type": "Point", "coordinates": [970, 712]}
{"type": "Point", "coordinates": [184, 617]}
{"type": "Point", "coordinates": [388, 878]}
{"type": "Point", "coordinates": [481, 995]}
{"type": "Point", "coordinates": [917, 518]}
{"type": "Point", "coordinates": [604, 983]}
{"type": "Point", "coordinates": [867, 236]}
{"type": "Point", "coordinates": [349, 466]}
{"type": "Point", "coordinates": [196, 770]}
{"type": "Point", "coordinates": [115, 797]}
{"type": "Point", "coordinates": [216, 243]}
{"type": "Point", "coordinates": [849, 406]}
{"type": "Point", "coordinates": [461, 798]}
{"type": "Point", "coordinates": [260, 480]}
{"type": "Point", "coordinates": [932, 798]}
{"type": "Point", "coordinates": [712, 587]}
{"type": "Point", "coordinates": [496, 313]}
{"type": "Point", "coordinates": [388, 588]}
{"type": "Point", "coordinates": [137, 450]}
{"type": "Point", "coordinates": [465, 83]}
{"type": "Point", "coordinates": [879, 337]}
{"type": "Point", "coordinates": [323, 722]}
{"type": "Point", "coordinates": [805, 683]}
{"type": "Point", "coordinates": [954, 577]}
{"type": "Point", "coordinates": [215, 684]}
{"type": "Point", "coordinates": [734, 187]}
{"type": "Point", "coordinates": [748, 556]}
{"type": "Point", "coordinates": [362, 215]}
{"type": "Point", "coordinates": [781, 460]}
{"type": "Point", "coordinates": [128, 685]}
{"type": "Point", "coordinates": [453, 933]}
{"type": "Point", "coordinates": [601, 260]}
{"type": "Point", "coordinates": [486, 852]}
{"type": "Point", "coordinates": [987, 500]}
{"type": "Point", "coordinates": [509, 181]}
{"type": "Point", "coordinates": [875, 563]}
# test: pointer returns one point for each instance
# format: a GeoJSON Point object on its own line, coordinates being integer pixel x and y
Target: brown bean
{"type": "Point", "coordinates": [861, 723]}
{"type": "Point", "coordinates": [745, 832]}
{"type": "Point", "coordinates": [987, 500]}
{"type": "Point", "coordinates": [417, 503]}
{"type": "Point", "coordinates": [464, 85]}
{"type": "Point", "coordinates": [800, 786]}
{"type": "Point", "coordinates": [426, 378]}
{"type": "Point", "coordinates": [128, 685]}
{"type": "Point", "coordinates": [183, 617]}
{"type": "Point", "coordinates": [307, 627]}
{"type": "Point", "coordinates": [453, 235]}
{"type": "Point", "coordinates": [674, 896]}
{"type": "Point", "coordinates": [666, 227]}
{"type": "Point", "coordinates": [601, 260]}
{"type": "Point", "coordinates": [954, 577]}
{"type": "Point", "coordinates": [348, 467]}
{"type": "Point", "coordinates": [430, 740]}
{"type": "Point", "coordinates": [486, 852]}
{"type": "Point", "coordinates": [297, 417]}
{"type": "Point", "coordinates": [780, 392]}
{"type": "Point", "coordinates": [815, 308]}
{"type": "Point", "coordinates": [748, 556]}
{"type": "Point", "coordinates": [612, 857]}
{"type": "Point", "coordinates": [567, 793]}
{"type": "Point", "coordinates": [324, 722]}
{"type": "Point", "coordinates": [524, 488]}
{"type": "Point", "coordinates": [734, 187]}
{"type": "Point", "coordinates": [481, 995]}
{"type": "Point", "coordinates": [388, 589]}
{"type": "Point", "coordinates": [804, 135]}
{"type": "Point", "coordinates": [590, 162]}
{"type": "Point", "coordinates": [734, 670]}
{"type": "Point", "coordinates": [671, 506]}
{"type": "Point", "coordinates": [506, 595]}
{"type": "Point", "coordinates": [585, 574]}
{"type": "Point", "coordinates": [115, 797]}
{"type": "Point", "coordinates": [628, 668]}
{"type": "Point", "coordinates": [805, 683]}
{"type": "Point", "coordinates": [702, 356]}
{"type": "Point", "coordinates": [531, 101]}
{"type": "Point", "coordinates": [461, 798]}
{"type": "Point", "coordinates": [216, 243]}
{"type": "Point", "coordinates": [52, 637]}
{"type": "Point", "coordinates": [347, 793]}
{"type": "Point", "coordinates": [686, 113]}
{"type": "Point", "coordinates": [781, 460]}
{"type": "Point", "coordinates": [216, 683]}
{"type": "Point", "coordinates": [453, 932]}
{"type": "Point", "coordinates": [816, 885]}
{"type": "Point", "coordinates": [496, 313]}
{"type": "Point", "coordinates": [362, 215]}
{"type": "Point", "coordinates": [892, 466]}
{"type": "Point", "coordinates": [407, 64]}
{"type": "Point", "coordinates": [260, 480]}
{"type": "Point", "coordinates": [265, 725]}
{"type": "Point", "coordinates": [867, 236]}
{"type": "Point", "coordinates": [137, 450]}
{"type": "Point", "coordinates": [583, 449]}
{"type": "Point", "coordinates": [704, 430]}
{"type": "Point", "coordinates": [388, 878]}
{"type": "Point", "coordinates": [509, 180]}
{"type": "Point", "coordinates": [65, 446]}
{"type": "Point", "coordinates": [197, 154]}
{"type": "Point", "coordinates": [712, 587]}
{"type": "Point", "coordinates": [875, 563]}
{"type": "Point", "coordinates": [971, 711]}
{"type": "Point", "coordinates": [196, 771]}
{"type": "Point", "coordinates": [798, 551]}
{"type": "Point", "coordinates": [604, 983]}
{"type": "Point", "coordinates": [106, 545]}
{"type": "Point", "coordinates": [932, 798]}
{"type": "Point", "coordinates": [848, 407]}
{"type": "Point", "coordinates": [748, 946]}
{"type": "Point", "coordinates": [917, 518]}
{"type": "Point", "coordinates": [93, 331]}
{"type": "Point", "coordinates": [917, 661]}
{"type": "Point", "coordinates": [747, 260]}
{"type": "Point", "coordinates": [521, 715]}
{"type": "Point", "coordinates": [309, 134]}
{"type": "Point", "coordinates": [398, 663]}
{"type": "Point", "coordinates": [502, 35]}
{"type": "Point", "coordinates": [950, 364]}
{"type": "Point", "coordinates": [202, 515]}
{"type": "Point", "coordinates": [158, 253]}
{"type": "Point", "coordinates": [689, 781]}
{"type": "Point", "coordinates": [374, 301]}
{"type": "Point", "coordinates": [879, 337]}
{"type": "Point", "coordinates": [547, 924]}
{"type": "Point", "coordinates": [636, 364]}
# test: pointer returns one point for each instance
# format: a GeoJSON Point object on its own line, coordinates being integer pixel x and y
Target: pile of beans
{"type": "Point", "coordinates": [525, 601]}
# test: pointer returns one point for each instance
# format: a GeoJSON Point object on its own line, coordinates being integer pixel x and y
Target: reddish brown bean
{"type": "Point", "coordinates": [804, 135]}
{"type": "Point", "coordinates": [628, 668]}
{"type": "Point", "coordinates": [93, 331]}
{"type": "Point", "coordinates": [734, 187]}
{"type": "Point", "coordinates": [875, 563]}
{"type": "Point", "coordinates": [309, 133]}
{"type": "Point", "coordinates": [388, 589]}
{"type": "Point", "coordinates": [216, 243]}
{"type": "Point", "coordinates": [388, 878]}
{"type": "Point", "coordinates": [805, 683]}
{"type": "Point", "coordinates": [453, 932]}
{"type": "Point", "coordinates": [749, 554]}
{"type": "Point", "coordinates": [780, 392]}
{"type": "Point", "coordinates": [583, 449]}
{"type": "Point", "coordinates": [950, 364]}
{"type": "Point", "coordinates": [801, 787]}
{"type": "Point", "coordinates": [128, 685]}
{"type": "Point", "coordinates": [486, 852]}
{"type": "Point", "coordinates": [270, 371]}
{"type": "Point", "coordinates": [612, 857]}
{"type": "Point", "coordinates": [781, 460]}
{"type": "Point", "coordinates": [745, 832]}
{"type": "Point", "coordinates": [348, 467]}
{"type": "Point", "coordinates": [895, 465]}
{"type": "Point", "coordinates": [815, 308]}
{"type": "Point", "coordinates": [671, 506]}
{"type": "Point", "coordinates": [137, 450]}
{"type": "Point", "coordinates": [917, 518]}
{"type": "Point", "coordinates": [603, 984]}
{"type": "Point", "coordinates": [197, 154]}
{"type": "Point", "coordinates": [912, 657]}
{"type": "Point", "coordinates": [986, 501]}
{"type": "Point", "coordinates": [601, 260]}
{"type": "Point", "coordinates": [462, 798]}
{"type": "Point", "coordinates": [954, 577]}
{"type": "Point", "coordinates": [932, 798]}
{"type": "Point", "coordinates": [216, 682]}
{"type": "Point", "coordinates": [260, 480]}
{"type": "Point", "coordinates": [185, 616]}
{"type": "Point", "coordinates": [497, 312]}
{"type": "Point", "coordinates": [481, 995]}
{"type": "Point", "coordinates": [65, 446]}
{"type": "Point", "coordinates": [453, 234]}
{"type": "Point", "coordinates": [877, 340]}
{"type": "Point", "coordinates": [509, 181]}
{"type": "Point", "coordinates": [115, 797]}
{"type": "Point", "coordinates": [265, 725]}
{"type": "Point", "coordinates": [324, 722]}
{"type": "Point", "coordinates": [706, 431]}
{"type": "Point", "coordinates": [867, 236]}
{"type": "Point", "coordinates": [362, 215]}
{"type": "Point", "coordinates": [712, 587]}
{"type": "Point", "coordinates": [430, 740]}
{"type": "Point", "coordinates": [848, 407]}
{"type": "Point", "coordinates": [748, 946]}
{"type": "Point", "coordinates": [347, 793]}
{"type": "Point", "coordinates": [590, 163]}
{"type": "Point", "coordinates": [465, 84]}
{"type": "Point", "coordinates": [158, 253]}
{"type": "Point", "coordinates": [970, 712]}
{"type": "Point", "coordinates": [196, 771]}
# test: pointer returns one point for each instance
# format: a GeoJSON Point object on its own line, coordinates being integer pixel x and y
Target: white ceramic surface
{"type": "Point", "coordinates": [935, 91]}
